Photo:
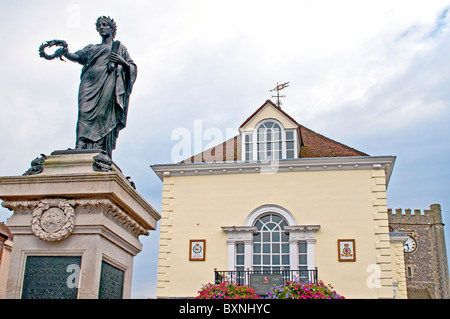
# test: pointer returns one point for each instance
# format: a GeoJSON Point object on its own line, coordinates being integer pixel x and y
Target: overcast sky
{"type": "Point", "coordinates": [374, 75]}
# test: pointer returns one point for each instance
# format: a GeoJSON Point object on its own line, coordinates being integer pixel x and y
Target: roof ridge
{"type": "Point", "coordinates": [262, 106]}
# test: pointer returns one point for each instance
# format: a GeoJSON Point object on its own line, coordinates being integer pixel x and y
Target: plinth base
{"type": "Point", "coordinates": [76, 225]}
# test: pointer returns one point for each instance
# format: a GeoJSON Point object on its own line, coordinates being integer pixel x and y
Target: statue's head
{"type": "Point", "coordinates": [112, 24]}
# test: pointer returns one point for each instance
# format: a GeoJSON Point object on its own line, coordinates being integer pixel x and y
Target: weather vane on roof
{"type": "Point", "coordinates": [278, 88]}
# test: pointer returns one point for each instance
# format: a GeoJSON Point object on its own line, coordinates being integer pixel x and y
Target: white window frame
{"type": "Point", "coordinates": [284, 258]}
{"type": "Point", "coordinates": [298, 234]}
{"type": "Point", "coordinates": [244, 234]}
{"type": "Point", "coordinates": [254, 136]}
{"type": "Point", "coordinates": [239, 234]}
{"type": "Point", "coordinates": [295, 140]}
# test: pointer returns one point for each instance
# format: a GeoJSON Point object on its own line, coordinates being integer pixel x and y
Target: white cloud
{"type": "Point", "coordinates": [362, 72]}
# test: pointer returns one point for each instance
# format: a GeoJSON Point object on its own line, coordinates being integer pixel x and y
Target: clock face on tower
{"type": "Point", "coordinates": [410, 245]}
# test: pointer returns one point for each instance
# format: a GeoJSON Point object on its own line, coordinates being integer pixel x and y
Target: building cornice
{"type": "Point", "coordinates": [385, 163]}
{"type": "Point", "coordinates": [244, 229]}
{"type": "Point", "coordinates": [398, 237]}
{"type": "Point", "coordinates": [301, 228]}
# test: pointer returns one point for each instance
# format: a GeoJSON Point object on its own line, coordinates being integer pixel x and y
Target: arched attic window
{"type": "Point", "coordinates": [270, 141]}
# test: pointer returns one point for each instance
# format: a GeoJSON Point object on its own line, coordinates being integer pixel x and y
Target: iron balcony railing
{"type": "Point", "coordinates": [254, 278]}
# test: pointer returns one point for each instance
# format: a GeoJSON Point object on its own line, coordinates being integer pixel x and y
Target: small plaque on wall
{"type": "Point", "coordinates": [197, 249]}
{"type": "Point", "coordinates": [346, 250]}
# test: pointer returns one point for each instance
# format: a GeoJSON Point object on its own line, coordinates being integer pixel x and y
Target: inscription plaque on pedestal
{"type": "Point", "coordinates": [51, 277]}
{"type": "Point", "coordinates": [111, 282]}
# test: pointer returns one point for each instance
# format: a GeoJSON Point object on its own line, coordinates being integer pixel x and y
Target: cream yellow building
{"type": "Point", "coordinates": [279, 197]}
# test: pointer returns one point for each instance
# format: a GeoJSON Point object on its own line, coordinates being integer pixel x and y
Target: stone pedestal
{"type": "Point", "coordinates": [76, 224]}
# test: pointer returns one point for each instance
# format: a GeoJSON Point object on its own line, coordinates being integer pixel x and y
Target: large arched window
{"type": "Point", "coordinates": [271, 244]}
{"type": "Point", "coordinates": [270, 240]}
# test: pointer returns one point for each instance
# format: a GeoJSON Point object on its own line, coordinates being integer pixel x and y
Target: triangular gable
{"type": "Point", "coordinates": [269, 110]}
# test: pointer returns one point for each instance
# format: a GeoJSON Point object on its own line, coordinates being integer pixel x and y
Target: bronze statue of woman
{"type": "Point", "coordinates": [107, 79]}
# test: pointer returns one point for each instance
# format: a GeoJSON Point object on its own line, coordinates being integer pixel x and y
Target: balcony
{"type": "Point", "coordinates": [262, 280]}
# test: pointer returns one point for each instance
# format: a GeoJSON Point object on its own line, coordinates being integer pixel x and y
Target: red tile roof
{"type": "Point", "coordinates": [317, 145]}
{"type": "Point", "coordinates": [5, 232]}
{"type": "Point", "coordinates": [228, 151]}
{"type": "Point", "coordinates": [312, 145]}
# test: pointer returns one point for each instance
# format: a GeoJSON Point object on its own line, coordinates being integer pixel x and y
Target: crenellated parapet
{"type": "Point", "coordinates": [430, 216]}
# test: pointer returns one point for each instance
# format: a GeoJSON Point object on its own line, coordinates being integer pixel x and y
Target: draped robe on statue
{"type": "Point", "coordinates": [103, 97]}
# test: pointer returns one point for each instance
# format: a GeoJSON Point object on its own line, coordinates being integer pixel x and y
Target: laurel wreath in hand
{"type": "Point", "coordinates": [63, 49]}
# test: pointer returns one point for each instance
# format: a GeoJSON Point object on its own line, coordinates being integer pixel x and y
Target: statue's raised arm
{"type": "Point", "coordinates": [72, 57]}
{"type": "Point", "coordinates": [107, 79]}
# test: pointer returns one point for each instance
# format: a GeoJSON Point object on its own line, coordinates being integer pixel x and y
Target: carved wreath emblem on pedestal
{"type": "Point", "coordinates": [53, 219]}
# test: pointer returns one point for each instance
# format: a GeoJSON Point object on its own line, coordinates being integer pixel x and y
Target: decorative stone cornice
{"type": "Point", "coordinates": [113, 212]}
{"type": "Point", "coordinates": [301, 228]}
{"type": "Point", "coordinates": [21, 207]}
{"type": "Point", "coordinates": [301, 232]}
{"type": "Point", "coordinates": [80, 206]}
{"type": "Point", "coordinates": [78, 186]}
{"type": "Point", "coordinates": [249, 229]}
{"type": "Point", "coordinates": [239, 233]}
{"type": "Point", "coordinates": [385, 163]}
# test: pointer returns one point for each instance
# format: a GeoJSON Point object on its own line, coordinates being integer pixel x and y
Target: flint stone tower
{"type": "Point", "coordinates": [426, 263]}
